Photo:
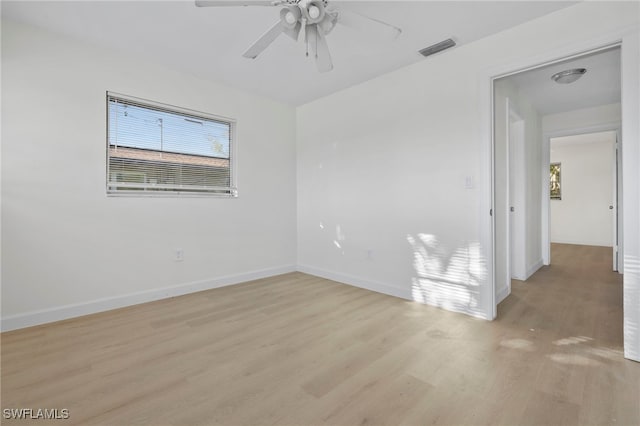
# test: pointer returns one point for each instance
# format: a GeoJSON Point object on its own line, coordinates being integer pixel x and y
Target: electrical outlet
{"type": "Point", "coordinates": [179, 255]}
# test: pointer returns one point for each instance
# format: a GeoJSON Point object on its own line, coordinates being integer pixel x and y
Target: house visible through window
{"type": "Point", "coordinates": [165, 150]}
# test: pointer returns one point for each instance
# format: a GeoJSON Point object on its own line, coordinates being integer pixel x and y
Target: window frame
{"type": "Point", "coordinates": [154, 105]}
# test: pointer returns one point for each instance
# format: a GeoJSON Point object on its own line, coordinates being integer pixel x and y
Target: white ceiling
{"type": "Point", "coordinates": [601, 85]}
{"type": "Point", "coordinates": [584, 139]}
{"type": "Point", "coordinates": [209, 42]}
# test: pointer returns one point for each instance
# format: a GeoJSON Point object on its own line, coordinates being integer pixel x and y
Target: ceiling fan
{"type": "Point", "coordinates": [311, 20]}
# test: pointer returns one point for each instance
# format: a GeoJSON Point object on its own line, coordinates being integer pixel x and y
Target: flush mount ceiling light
{"type": "Point", "coordinates": [568, 76]}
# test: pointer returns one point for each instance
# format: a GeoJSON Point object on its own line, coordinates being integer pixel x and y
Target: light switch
{"type": "Point", "coordinates": [468, 182]}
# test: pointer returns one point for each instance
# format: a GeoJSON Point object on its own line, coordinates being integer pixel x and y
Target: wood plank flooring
{"type": "Point", "coordinates": [300, 350]}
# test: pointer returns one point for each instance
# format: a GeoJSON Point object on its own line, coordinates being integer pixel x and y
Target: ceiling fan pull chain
{"type": "Point", "coordinates": [306, 35]}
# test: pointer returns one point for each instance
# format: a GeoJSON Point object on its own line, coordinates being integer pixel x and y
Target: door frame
{"type": "Point", "coordinates": [488, 235]}
{"type": "Point", "coordinates": [628, 38]}
{"type": "Point", "coordinates": [617, 194]}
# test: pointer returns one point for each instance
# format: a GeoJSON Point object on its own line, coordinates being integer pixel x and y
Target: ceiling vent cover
{"type": "Point", "coordinates": [438, 47]}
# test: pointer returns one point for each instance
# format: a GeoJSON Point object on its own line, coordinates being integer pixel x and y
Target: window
{"type": "Point", "coordinates": [156, 149]}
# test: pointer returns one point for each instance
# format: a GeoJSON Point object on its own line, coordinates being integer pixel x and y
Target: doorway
{"type": "Point", "coordinates": [531, 109]}
{"type": "Point", "coordinates": [583, 202]}
{"type": "Point", "coordinates": [629, 182]}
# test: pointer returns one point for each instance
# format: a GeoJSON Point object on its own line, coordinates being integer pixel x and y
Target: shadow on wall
{"type": "Point", "coordinates": [449, 281]}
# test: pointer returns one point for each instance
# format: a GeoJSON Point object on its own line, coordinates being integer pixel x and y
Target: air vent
{"type": "Point", "coordinates": [438, 47]}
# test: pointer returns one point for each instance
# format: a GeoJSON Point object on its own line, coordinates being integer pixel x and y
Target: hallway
{"type": "Point", "coordinates": [571, 312]}
{"type": "Point", "coordinates": [578, 295]}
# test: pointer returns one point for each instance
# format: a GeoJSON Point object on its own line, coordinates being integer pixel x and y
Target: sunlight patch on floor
{"type": "Point", "coordinates": [574, 359]}
{"type": "Point", "coordinates": [520, 344]}
{"type": "Point", "coordinates": [572, 340]}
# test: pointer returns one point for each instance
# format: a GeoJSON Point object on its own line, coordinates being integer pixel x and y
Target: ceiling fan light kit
{"type": "Point", "coordinates": [310, 20]}
{"type": "Point", "coordinates": [314, 11]}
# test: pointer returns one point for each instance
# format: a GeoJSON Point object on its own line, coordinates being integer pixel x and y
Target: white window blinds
{"type": "Point", "coordinates": [155, 149]}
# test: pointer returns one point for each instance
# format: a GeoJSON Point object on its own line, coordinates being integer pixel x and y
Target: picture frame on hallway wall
{"type": "Point", "coordinates": [555, 189]}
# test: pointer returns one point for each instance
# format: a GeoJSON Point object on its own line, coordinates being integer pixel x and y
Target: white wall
{"type": "Point", "coordinates": [631, 192]}
{"type": "Point", "coordinates": [583, 216]}
{"type": "Point", "coordinates": [382, 167]}
{"type": "Point", "coordinates": [67, 248]}
{"type": "Point", "coordinates": [533, 221]}
{"type": "Point", "coordinates": [585, 118]}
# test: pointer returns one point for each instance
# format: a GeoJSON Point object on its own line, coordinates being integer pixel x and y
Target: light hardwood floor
{"type": "Point", "coordinates": [299, 350]}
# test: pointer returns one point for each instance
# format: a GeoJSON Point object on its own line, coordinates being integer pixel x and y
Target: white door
{"type": "Point", "coordinates": [509, 196]}
{"type": "Point", "coordinates": [517, 196]}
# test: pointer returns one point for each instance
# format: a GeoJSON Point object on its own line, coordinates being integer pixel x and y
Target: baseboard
{"type": "Point", "coordinates": [518, 277]}
{"type": "Point", "coordinates": [502, 294]}
{"type": "Point", "coordinates": [532, 270]}
{"type": "Point", "coordinates": [582, 243]}
{"type": "Point", "coordinates": [356, 282]}
{"type": "Point", "coordinates": [44, 316]}
{"type": "Point", "coordinates": [378, 287]}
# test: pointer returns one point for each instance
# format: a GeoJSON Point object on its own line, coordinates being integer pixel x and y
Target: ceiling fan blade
{"type": "Point", "coordinates": [215, 3]}
{"type": "Point", "coordinates": [319, 48]}
{"type": "Point", "coordinates": [263, 42]}
{"type": "Point", "coordinates": [371, 27]}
